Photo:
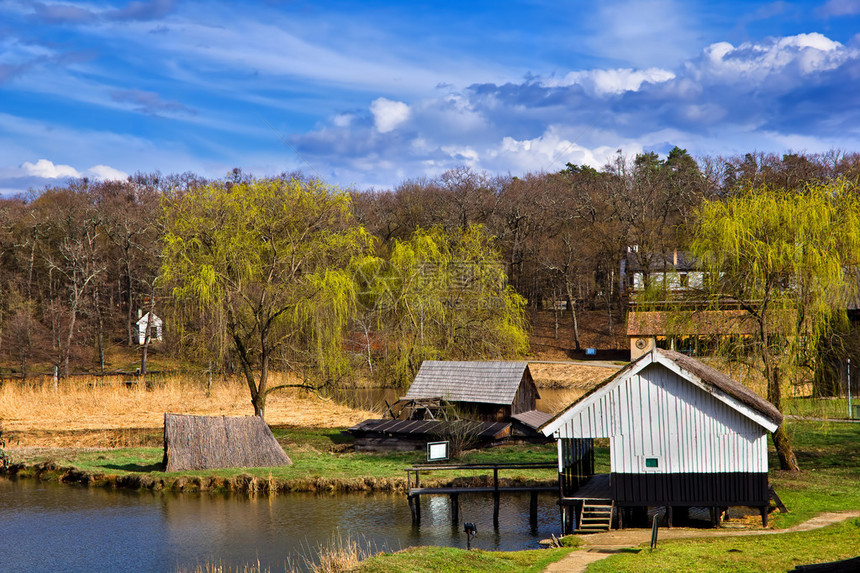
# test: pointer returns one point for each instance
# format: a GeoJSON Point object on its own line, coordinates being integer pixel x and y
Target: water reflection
{"type": "Point", "coordinates": [51, 527]}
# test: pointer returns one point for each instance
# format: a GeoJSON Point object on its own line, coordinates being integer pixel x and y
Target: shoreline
{"type": "Point", "coordinates": [245, 483]}
{"type": "Point", "coordinates": [48, 471]}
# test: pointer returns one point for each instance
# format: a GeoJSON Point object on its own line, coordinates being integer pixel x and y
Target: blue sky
{"type": "Point", "coordinates": [368, 94]}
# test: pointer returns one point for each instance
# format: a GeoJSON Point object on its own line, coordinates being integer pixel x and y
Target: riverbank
{"type": "Point", "coordinates": [324, 460]}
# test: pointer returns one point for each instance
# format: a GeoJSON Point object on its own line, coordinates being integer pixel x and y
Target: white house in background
{"type": "Point", "coordinates": [153, 322]}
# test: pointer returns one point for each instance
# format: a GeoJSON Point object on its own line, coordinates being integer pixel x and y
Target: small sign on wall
{"type": "Point", "coordinates": [437, 451]}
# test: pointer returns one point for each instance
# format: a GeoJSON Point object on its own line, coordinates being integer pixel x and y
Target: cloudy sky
{"type": "Point", "coordinates": [367, 93]}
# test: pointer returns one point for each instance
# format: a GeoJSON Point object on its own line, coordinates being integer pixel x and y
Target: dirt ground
{"type": "Point", "coordinates": [599, 546]}
{"type": "Point", "coordinates": [594, 332]}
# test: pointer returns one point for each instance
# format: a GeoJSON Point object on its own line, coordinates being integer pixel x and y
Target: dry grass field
{"type": "Point", "coordinates": [103, 412]}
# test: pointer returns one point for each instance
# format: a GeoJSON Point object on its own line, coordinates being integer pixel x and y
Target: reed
{"type": "Point", "coordinates": [340, 554]}
{"type": "Point", "coordinates": [48, 414]}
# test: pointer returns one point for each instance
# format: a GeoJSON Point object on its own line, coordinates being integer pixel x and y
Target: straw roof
{"type": "Point", "coordinates": [207, 442]}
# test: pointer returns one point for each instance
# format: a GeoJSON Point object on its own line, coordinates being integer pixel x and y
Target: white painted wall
{"type": "Point", "coordinates": [657, 414]}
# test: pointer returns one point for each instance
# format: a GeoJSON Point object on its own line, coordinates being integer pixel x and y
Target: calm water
{"type": "Point", "coordinates": [52, 527]}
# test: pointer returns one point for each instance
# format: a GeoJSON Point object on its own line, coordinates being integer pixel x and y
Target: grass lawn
{"type": "Point", "coordinates": [752, 553]}
{"type": "Point", "coordinates": [316, 454]}
{"type": "Point", "coordinates": [832, 408]}
{"type": "Point", "coordinates": [829, 457]}
{"type": "Point", "coordinates": [433, 559]}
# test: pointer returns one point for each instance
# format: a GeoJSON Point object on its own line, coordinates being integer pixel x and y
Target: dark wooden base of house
{"type": "Point", "coordinates": [690, 489]}
{"type": "Point", "coordinates": [633, 494]}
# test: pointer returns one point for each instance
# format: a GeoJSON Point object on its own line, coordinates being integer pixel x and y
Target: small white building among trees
{"type": "Point", "coordinates": [150, 321]}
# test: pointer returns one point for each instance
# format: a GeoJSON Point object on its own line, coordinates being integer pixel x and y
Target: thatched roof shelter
{"type": "Point", "coordinates": [207, 442]}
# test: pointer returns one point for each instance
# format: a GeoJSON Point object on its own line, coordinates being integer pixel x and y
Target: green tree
{"type": "Point", "coordinates": [785, 258]}
{"type": "Point", "coordinates": [444, 296]}
{"type": "Point", "coordinates": [271, 259]}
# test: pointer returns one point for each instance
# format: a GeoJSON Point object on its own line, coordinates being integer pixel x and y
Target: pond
{"type": "Point", "coordinates": [54, 527]}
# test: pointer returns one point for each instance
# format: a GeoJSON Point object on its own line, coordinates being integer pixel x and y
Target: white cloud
{"type": "Point", "coordinates": [388, 115]}
{"type": "Point", "coordinates": [804, 53]}
{"type": "Point", "coordinates": [47, 170]}
{"type": "Point", "coordinates": [462, 154]}
{"type": "Point", "coordinates": [343, 119]}
{"type": "Point", "coordinates": [547, 152]}
{"type": "Point", "coordinates": [106, 173]}
{"type": "Point", "coordinates": [603, 82]}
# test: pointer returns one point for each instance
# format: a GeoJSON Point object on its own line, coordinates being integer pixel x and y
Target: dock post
{"type": "Point", "coordinates": [455, 508]}
{"type": "Point", "coordinates": [533, 509]}
{"type": "Point", "coordinates": [496, 497]}
{"type": "Point", "coordinates": [763, 510]}
{"type": "Point", "coordinates": [669, 516]}
{"type": "Point", "coordinates": [415, 508]}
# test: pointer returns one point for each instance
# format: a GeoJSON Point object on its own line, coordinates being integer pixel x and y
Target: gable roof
{"type": "Point", "coordinates": [144, 320]}
{"type": "Point", "coordinates": [709, 379]}
{"type": "Point", "coordinates": [469, 381]}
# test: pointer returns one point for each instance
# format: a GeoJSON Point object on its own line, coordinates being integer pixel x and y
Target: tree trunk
{"type": "Point", "coordinates": [572, 302]}
{"type": "Point", "coordinates": [787, 459]}
{"type": "Point", "coordinates": [262, 390]}
{"type": "Point", "coordinates": [784, 451]}
{"type": "Point", "coordinates": [99, 328]}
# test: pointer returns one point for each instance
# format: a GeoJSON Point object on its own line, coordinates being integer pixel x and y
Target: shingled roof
{"type": "Point", "coordinates": [468, 381]}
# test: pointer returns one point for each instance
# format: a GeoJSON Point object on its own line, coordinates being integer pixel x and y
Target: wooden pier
{"type": "Point", "coordinates": [415, 491]}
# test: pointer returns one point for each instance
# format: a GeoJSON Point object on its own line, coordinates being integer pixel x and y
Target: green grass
{"type": "Point", "coordinates": [317, 453]}
{"type": "Point", "coordinates": [433, 559]}
{"type": "Point", "coordinates": [831, 408]}
{"type": "Point", "coordinates": [829, 457]}
{"type": "Point", "coordinates": [752, 553]}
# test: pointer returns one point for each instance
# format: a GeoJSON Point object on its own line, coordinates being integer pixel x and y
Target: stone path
{"type": "Point", "coordinates": [599, 546]}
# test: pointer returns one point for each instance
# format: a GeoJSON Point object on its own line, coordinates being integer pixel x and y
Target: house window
{"type": "Point", "coordinates": [651, 463]}
{"type": "Point", "coordinates": [685, 280]}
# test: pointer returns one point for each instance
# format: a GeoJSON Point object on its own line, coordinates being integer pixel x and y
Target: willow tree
{"type": "Point", "coordinates": [444, 296]}
{"type": "Point", "coordinates": [786, 258]}
{"type": "Point", "coordinates": [270, 257]}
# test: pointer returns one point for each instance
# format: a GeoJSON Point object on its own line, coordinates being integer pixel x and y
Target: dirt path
{"type": "Point", "coordinates": [599, 546]}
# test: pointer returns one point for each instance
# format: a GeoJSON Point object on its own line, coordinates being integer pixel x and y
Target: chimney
{"type": "Point", "coordinates": [675, 257]}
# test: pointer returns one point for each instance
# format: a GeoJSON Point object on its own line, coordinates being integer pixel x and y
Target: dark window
{"type": "Point", "coordinates": [651, 462]}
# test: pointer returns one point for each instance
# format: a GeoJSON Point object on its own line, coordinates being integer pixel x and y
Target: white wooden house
{"type": "Point", "coordinates": [150, 321]}
{"type": "Point", "coordinates": [681, 434]}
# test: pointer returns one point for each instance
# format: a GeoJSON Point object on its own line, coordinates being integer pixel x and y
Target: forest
{"type": "Point", "coordinates": [292, 274]}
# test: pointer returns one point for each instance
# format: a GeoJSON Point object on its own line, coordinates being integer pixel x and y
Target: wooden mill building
{"type": "Point", "coordinates": [491, 391]}
{"type": "Point", "coordinates": [501, 396]}
{"type": "Point", "coordinates": [681, 435]}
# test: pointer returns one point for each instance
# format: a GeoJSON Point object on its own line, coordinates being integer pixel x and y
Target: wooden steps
{"type": "Point", "coordinates": [596, 516]}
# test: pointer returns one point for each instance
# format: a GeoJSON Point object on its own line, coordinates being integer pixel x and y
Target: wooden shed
{"type": "Point", "coordinates": [681, 435]}
{"type": "Point", "coordinates": [490, 391]}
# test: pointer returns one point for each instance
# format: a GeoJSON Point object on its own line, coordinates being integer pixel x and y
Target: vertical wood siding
{"type": "Point", "coordinates": [656, 414]}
